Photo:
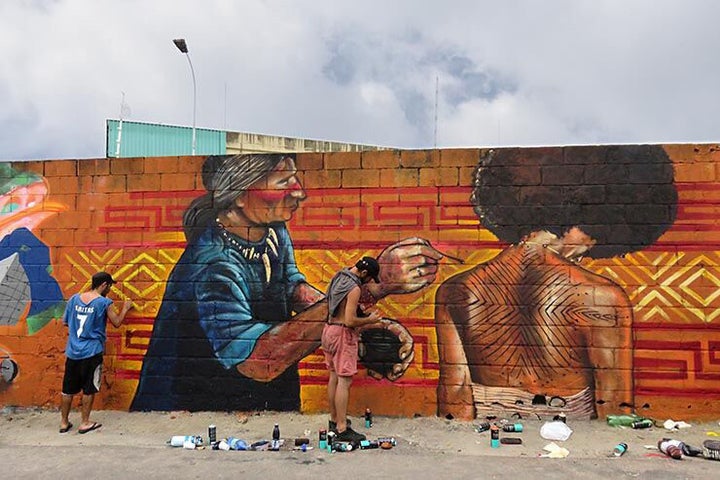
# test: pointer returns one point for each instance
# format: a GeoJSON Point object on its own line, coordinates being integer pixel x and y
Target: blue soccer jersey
{"type": "Point", "coordinates": [86, 326]}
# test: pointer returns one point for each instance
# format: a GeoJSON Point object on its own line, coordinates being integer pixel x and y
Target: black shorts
{"type": "Point", "coordinates": [82, 375]}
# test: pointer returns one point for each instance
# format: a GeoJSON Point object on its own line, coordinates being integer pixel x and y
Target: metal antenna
{"type": "Point", "coordinates": [436, 110]}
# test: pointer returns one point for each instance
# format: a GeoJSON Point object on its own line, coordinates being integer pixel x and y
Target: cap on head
{"type": "Point", "coordinates": [370, 265]}
{"type": "Point", "coordinates": [100, 278]}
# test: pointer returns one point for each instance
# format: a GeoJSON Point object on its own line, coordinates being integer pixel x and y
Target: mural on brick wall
{"type": "Point", "coordinates": [533, 331]}
{"type": "Point", "coordinates": [28, 291]}
{"type": "Point", "coordinates": [238, 314]}
{"type": "Point", "coordinates": [592, 274]}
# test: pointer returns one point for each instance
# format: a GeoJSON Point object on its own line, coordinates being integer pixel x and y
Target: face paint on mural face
{"type": "Point", "coordinates": [274, 198]}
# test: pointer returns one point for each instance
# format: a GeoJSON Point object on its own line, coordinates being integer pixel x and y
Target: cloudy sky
{"type": "Point", "coordinates": [509, 72]}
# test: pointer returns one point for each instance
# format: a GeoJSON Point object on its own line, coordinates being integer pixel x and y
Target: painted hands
{"type": "Point", "coordinates": [386, 349]}
{"type": "Point", "coordinates": [406, 266]}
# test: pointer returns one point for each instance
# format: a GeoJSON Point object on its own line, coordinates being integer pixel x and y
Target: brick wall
{"type": "Point", "coordinates": [125, 216]}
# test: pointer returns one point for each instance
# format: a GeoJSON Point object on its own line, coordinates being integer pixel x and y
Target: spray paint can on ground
{"type": "Point", "coordinates": [644, 423]}
{"type": "Point", "coordinates": [483, 427]}
{"type": "Point", "coordinates": [369, 444]}
{"type": "Point", "coordinates": [181, 440]}
{"type": "Point", "coordinates": [390, 440]}
{"type": "Point", "coordinates": [368, 418]}
{"type": "Point", "coordinates": [513, 427]}
{"type": "Point", "coordinates": [619, 449]}
{"type": "Point", "coordinates": [212, 434]}
{"type": "Point", "coordinates": [671, 448]}
{"type": "Point", "coordinates": [494, 436]}
{"type": "Point", "coordinates": [330, 440]}
{"type": "Point", "coordinates": [322, 438]}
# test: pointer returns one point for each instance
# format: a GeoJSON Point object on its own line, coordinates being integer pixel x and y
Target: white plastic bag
{"type": "Point", "coordinates": [556, 431]}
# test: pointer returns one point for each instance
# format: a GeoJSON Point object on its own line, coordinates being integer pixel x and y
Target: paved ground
{"type": "Point", "coordinates": [133, 445]}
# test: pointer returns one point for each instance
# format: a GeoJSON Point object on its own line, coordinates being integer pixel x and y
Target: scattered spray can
{"type": "Point", "coordinates": [483, 427]}
{"type": "Point", "coordinates": [368, 444]}
{"type": "Point", "coordinates": [671, 448]}
{"type": "Point", "coordinates": [390, 440]}
{"type": "Point", "coordinates": [619, 449]}
{"type": "Point", "coordinates": [368, 418]}
{"type": "Point", "coordinates": [212, 434]}
{"type": "Point", "coordinates": [181, 440]}
{"type": "Point", "coordinates": [323, 438]}
{"type": "Point", "coordinates": [276, 432]}
{"type": "Point", "coordinates": [644, 423]}
{"type": "Point", "coordinates": [330, 440]}
{"type": "Point", "coordinates": [342, 447]}
{"type": "Point", "coordinates": [494, 436]}
{"type": "Point", "coordinates": [513, 427]}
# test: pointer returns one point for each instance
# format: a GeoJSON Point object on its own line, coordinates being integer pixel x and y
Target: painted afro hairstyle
{"type": "Point", "coordinates": [623, 196]}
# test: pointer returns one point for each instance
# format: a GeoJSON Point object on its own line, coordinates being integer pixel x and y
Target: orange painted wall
{"type": "Point", "coordinates": [125, 216]}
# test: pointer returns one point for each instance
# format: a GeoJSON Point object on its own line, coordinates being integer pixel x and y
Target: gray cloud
{"type": "Point", "coordinates": [510, 73]}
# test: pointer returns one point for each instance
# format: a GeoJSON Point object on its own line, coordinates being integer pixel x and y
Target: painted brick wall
{"type": "Point", "coordinates": [523, 318]}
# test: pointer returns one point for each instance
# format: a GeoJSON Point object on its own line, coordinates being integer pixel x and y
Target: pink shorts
{"type": "Point", "coordinates": [340, 345]}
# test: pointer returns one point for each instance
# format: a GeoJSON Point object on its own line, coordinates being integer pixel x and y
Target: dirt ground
{"type": "Point", "coordinates": [134, 444]}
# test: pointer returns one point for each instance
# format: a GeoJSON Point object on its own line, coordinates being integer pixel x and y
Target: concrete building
{"type": "Point", "coordinates": [140, 139]}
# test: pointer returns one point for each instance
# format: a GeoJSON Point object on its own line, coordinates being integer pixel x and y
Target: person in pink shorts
{"type": "Point", "coordinates": [340, 339]}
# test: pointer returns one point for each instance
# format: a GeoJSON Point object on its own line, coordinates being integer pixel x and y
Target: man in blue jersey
{"type": "Point", "coordinates": [85, 316]}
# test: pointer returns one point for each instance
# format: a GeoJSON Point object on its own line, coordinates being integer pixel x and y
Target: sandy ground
{"type": "Point", "coordinates": [134, 444]}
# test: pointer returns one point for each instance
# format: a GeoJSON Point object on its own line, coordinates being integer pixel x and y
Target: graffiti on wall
{"type": "Point", "coordinates": [588, 282]}
{"type": "Point", "coordinates": [28, 291]}
{"type": "Point", "coordinates": [533, 331]}
{"type": "Point", "coordinates": [237, 314]}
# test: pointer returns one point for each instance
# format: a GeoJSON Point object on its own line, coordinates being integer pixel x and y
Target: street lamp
{"type": "Point", "coordinates": [182, 46]}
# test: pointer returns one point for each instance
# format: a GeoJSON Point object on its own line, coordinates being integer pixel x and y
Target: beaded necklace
{"type": "Point", "coordinates": [254, 252]}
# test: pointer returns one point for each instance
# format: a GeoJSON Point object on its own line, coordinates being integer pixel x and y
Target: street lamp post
{"type": "Point", "coordinates": [182, 46]}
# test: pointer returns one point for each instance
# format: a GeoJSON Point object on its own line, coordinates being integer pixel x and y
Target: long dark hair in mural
{"type": "Point", "coordinates": [237, 314]}
{"type": "Point", "coordinates": [532, 331]}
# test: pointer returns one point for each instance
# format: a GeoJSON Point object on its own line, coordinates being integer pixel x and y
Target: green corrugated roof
{"type": "Point", "coordinates": [155, 140]}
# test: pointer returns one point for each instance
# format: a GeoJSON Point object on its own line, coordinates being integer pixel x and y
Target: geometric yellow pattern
{"type": "Point", "coordinates": [659, 282]}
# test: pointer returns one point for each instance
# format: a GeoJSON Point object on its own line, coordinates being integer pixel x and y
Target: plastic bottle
{"type": "Point", "coordinates": [180, 440]}
{"type": "Point", "coordinates": [620, 449]}
{"type": "Point", "coordinates": [276, 432]}
{"type": "Point", "coordinates": [671, 448]}
{"type": "Point", "coordinates": [622, 420]}
{"type": "Point", "coordinates": [494, 436]}
{"type": "Point", "coordinates": [368, 418]}
{"type": "Point", "coordinates": [513, 427]}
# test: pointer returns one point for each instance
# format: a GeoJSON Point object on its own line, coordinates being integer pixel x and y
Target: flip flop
{"type": "Point", "coordinates": [94, 426]}
{"type": "Point", "coordinates": [66, 429]}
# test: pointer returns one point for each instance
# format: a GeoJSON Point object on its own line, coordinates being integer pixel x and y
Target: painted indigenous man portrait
{"type": "Point", "coordinates": [533, 331]}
